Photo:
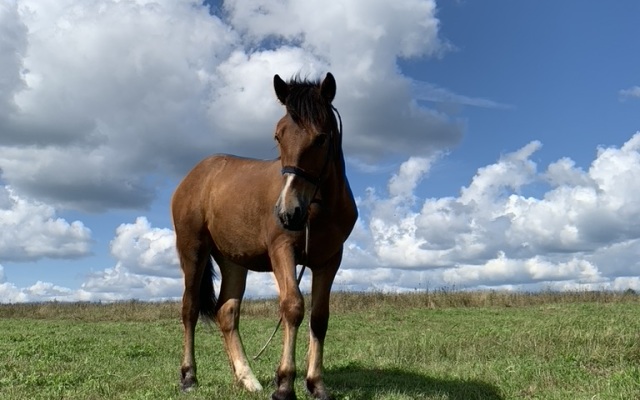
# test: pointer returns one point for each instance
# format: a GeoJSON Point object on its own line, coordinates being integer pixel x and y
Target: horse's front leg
{"type": "Point", "coordinates": [291, 312]}
{"type": "Point", "coordinates": [319, 321]}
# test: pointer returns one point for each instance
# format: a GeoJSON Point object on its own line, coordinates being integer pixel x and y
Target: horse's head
{"type": "Point", "coordinates": [306, 140]}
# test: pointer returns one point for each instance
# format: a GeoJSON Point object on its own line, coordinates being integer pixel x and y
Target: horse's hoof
{"type": "Point", "coordinates": [251, 384]}
{"type": "Point", "coordinates": [321, 395]}
{"type": "Point", "coordinates": [284, 395]}
{"type": "Point", "coordinates": [318, 391]}
{"type": "Point", "coordinates": [188, 380]}
{"type": "Point", "coordinates": [187, 386]}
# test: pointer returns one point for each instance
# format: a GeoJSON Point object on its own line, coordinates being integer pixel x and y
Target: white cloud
{"type": "Point", "coordinates": [630, 93]}
{"type": "Point", "coordinates": [564, 172]}
{"type": "Point", "coordinates": [145, 250]}
{"type": "Point", "coordinates": [509, 174]}
{"type": "Point", "coordinates": [103, 109]}
{"type": "Point", "coordinates": [12, 48]}
{"type": "Point", "coordinates": [408, 28]}
{"type": "Point", "coordinates": [118, 283]}
{"type": "Point", "coordinates": [92, 116]}
{"type": "Point", "coordinates": [411, 172]}
{"type": "Point", "coordinates": [40, 291]}
{"type": "Point", "coordinates": [502, 270]}
{"type": "Point", "coordinates": [580, 233]}
{"type": "Point", "coordinates": [426, 91]}
{"type": "Point", "coordinates": [146, 266]}
{"type": "Point", "coordinates": [30, 230]}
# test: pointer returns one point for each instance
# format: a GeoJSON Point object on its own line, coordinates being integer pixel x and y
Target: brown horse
{"type": "Point", "coordinates": [250, 215]}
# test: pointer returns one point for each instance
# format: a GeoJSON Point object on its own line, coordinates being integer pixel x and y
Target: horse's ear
{"type": "Point", "coordinates": [328, 87]}
{"type": "Point", "coordinates": [282, 89]}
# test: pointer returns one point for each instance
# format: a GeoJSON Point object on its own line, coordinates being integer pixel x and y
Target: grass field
{"type": "Point", "coordinates": [439, 345]}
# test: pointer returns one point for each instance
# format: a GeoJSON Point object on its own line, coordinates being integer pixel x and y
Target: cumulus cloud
{"type": "Point", "coordinates": [580, 233]}
{"type": "Point", "coordinates": [40, 291]}
{"type": "Point", "coordinates": [411, 172]}
{"type": "Point", "coordinates": [118, 283]}
{"type": "Point", "coordinates": [30, 230]}
{"type": "Point", "coordinates": [146, 265]}
{"type": "Point", "coordinates": [630, 93]}
{"type": "Point", "coordinates": [13, 46]}
{"type": "Point", "coordinates": [146, 268]}
{"type": "Point", "coordinates": [93, 116]}
{"type": "Point", "coordinates": [146, 250]}
{"type": "Point", "coordinates": [102, 109]}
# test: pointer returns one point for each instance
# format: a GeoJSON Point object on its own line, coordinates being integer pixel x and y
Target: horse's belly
{"type": "Point", "coordinates": [241, 249]}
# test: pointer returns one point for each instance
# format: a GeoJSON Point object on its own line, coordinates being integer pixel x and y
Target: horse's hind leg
{"type": "Point", "coordinates": [194, 259]}
{"type": "Point", "coordinates": [234, 279]}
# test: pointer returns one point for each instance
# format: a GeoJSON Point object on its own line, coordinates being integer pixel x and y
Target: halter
{"type": "Point", "coordinates": [291, 169]}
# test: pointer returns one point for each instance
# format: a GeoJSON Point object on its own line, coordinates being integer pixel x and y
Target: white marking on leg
{"type": "Point", "coordinates": [246, 377]}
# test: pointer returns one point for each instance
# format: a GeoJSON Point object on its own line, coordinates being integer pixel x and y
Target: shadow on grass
{"type": "Point", "coordinates": [357, 382]}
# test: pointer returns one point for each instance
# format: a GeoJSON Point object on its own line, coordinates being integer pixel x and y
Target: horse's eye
{"type": "Point", "coordinates": [276, 138]}
{"type": "Point", "coordinates": [320, 139]}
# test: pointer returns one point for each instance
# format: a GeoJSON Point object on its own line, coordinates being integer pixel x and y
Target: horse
{"type": "Point", "coordinates": [249, 214]}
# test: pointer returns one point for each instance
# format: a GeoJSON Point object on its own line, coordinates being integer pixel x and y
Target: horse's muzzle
{"type": "Point", "coordinates": [292, 205]}
{"type": "Point", "coordinates": [293, 220]}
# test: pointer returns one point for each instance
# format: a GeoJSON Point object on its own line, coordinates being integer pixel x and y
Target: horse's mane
{"type": "Point", "coordinates": [306, 105]}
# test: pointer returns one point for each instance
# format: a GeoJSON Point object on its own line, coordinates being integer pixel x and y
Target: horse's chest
{"type": "Point", "coordinates": [323, 244]}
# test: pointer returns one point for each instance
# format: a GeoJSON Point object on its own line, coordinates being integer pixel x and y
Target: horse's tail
{"type": "Point", "coordinates": [207, 294]}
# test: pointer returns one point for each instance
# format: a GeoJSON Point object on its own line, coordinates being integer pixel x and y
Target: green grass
{"type": "Point", "coordinates": [439, 345]}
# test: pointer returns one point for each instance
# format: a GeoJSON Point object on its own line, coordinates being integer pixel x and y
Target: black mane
{"type": "Point", "coordinates": [306, 105]}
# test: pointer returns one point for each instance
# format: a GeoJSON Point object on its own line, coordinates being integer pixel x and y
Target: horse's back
{"type": "Point", "coordinates": [222, 174]}
{"type": "Point", "coordinates": [230, 199]}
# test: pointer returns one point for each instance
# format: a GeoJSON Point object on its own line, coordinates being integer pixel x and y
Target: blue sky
{"type": "Point", "coordinates": [490, 144]}
{"type": "Point", "coordinates": [559, 65]}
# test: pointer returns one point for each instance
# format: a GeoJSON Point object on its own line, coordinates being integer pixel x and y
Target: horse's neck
{"type": "Point", "coordinates": [338, 185]}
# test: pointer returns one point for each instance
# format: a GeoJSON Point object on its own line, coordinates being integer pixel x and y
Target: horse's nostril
{"type": "Point", "coordinates": [293, 220]}
{"type": "Point", "coordinates": [284, 219]}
